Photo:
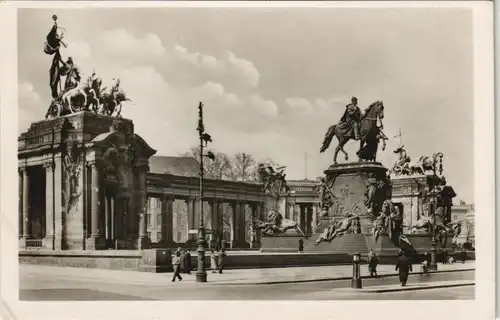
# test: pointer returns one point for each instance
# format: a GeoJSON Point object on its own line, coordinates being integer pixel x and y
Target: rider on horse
{"type": "Point", "coordinates": [351, 118]}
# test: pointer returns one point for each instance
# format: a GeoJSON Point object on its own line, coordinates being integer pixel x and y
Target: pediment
{"type": "Point", "coordinates": [122, 140]}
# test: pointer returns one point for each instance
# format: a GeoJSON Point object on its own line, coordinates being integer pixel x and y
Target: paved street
{"type": "Point", "coordinates": [55, 283]}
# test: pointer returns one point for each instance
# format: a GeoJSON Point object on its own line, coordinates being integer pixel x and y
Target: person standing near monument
{"type": "Point", "coordinates": [187, 258]}
{"type": "Point", "coordinates": [404, 266]}
{"type": "Point", "coordinates": [222, 254]}
{"type": "Point", "coordinates": [301, 246]}
{"type": "Point", "coordinates": [372, 262]}
{"type": "Point", "coordinates": [351, 118]}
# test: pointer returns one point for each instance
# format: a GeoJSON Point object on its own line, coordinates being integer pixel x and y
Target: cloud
{"type": "Point", "coordinates": [121, 43]}
{"type": "Point", "coordinates": [303, 105]}
{"type": "Point", "coordinates": [28, 97]}
{"type": "Point", "coordinates": [30, 105]}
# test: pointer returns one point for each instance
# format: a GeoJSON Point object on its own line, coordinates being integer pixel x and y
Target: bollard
{"type": "Point", "coordinates": [356, 274]}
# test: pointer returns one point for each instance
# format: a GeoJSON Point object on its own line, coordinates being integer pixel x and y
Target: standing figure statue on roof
{"type": "Point", "coordinates": [402, 164]}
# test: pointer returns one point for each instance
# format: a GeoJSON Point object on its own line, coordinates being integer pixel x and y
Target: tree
{"type": "Point", "coordinates": [219, 168]}
{"type": "Point", "coordinates": [244, 167]}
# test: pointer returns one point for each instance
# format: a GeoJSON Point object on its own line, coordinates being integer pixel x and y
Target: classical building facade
{"type": "Point", "coordinates": [89, 182]}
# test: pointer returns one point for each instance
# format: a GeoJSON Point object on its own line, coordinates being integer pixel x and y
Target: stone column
{"type": "Point", "coordinates": [167, 215]}
{"type": "Point", "coordinates": [26, 196]}
{"type": "Point", "coordinates": [314, 221]}
{"type": "Point", "coordinates": [242, 224]}
{"type": "Point", "coordinates": [143, 242]}
{"type": "Point", "coordinates": [259, 209]}
{"type": "Point", "coordinates": [191, 204]}
{"type": "Point", "coordinates": [49, 205]}
{"type": "Point", "coordinates": [20, 202]}
{"type": "Point", "coordinates": [58, 204]}
{"type": "Point", "coordinates": [235, 205]}
{"type": "Point", "coordinates": [94, 242]}
{"type": "Point", "coordinates": [302, 215]}
{"type": "Point", "coordinates": [23, 206]}
{"type": "Point", "coordinates": [220, 220]}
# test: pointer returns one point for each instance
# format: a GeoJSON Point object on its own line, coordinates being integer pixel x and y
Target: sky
{"type": "Point", "coordinates": [272, 79]}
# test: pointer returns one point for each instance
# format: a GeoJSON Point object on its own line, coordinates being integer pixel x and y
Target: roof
{"type": "Point", "coordinates": [179, 166]}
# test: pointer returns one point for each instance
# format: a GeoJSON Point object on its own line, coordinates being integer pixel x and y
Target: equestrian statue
{"type": "Point", "coordinates": [357, 126]}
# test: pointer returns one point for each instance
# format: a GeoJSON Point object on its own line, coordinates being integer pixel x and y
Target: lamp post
{"type": "Point", "coordinates": [434, 192]}
{"type": "Point", "coordinates": [201, 274]}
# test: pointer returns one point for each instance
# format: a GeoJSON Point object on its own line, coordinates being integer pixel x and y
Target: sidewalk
{"type": "Point", "coordinates": [408, 287]}
{"type": "Point", "coordinates": [236, 276]}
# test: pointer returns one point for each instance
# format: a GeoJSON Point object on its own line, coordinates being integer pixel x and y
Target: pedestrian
{"type": "Point", "coordinates": [426, 261]}
{"type": "Point", "coordinates": [372, 262]}
{"type": "Point", "coordinates": [463, 255]}
{"type": "Point", "coordinates": [301, 246]}
{"type": "Point", "coordinates": [213, 261]}
{"type": "Point", "coordinates": [176, 264]}
{"type": "Point", "coordinates": [222, 254]}
{"type": "Point", "coordinates": [187, 256]}
{"type": "Point", "coordinates": [403, 264]}
{"type": "Point", "coordinates": [445, 256]}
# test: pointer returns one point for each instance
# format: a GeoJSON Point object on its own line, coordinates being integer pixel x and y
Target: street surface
{"type": "Point", "coordinates": [42, 284]}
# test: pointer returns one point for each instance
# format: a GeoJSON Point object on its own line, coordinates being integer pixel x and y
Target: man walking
{"type": "Point", "coordinates": [176, 264]}
{"type": "Point", "coordinates": [403, 264]}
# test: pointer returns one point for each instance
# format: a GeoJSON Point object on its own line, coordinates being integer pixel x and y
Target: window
{"type": "Point", "coordinates": [148, 218]}
{"type": "Point", "coordinates": [149, 235]}
{"type": "Point", "coordinates": [158, 219]}
{"type": "Point", "coordinates": [455, 217]}
{"type": "Point", "coordinates": [158, 236]}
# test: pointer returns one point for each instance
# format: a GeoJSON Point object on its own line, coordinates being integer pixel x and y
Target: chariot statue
{"type": "Point", "coordinates": [74, 94]}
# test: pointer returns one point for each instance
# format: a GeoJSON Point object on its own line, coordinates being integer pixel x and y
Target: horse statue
{"type": "Point", "coordinates": [276, 224]}
{"type": "Point", "coordinates": [425, 164]}
{"type": "Point", "coordinates": [349, 224]}
{"type": "Point", "coordinates": [84, 95]}
{"type": "Point", "coordinates": [113, 99]}
{"type": "Point", "coordinates": [435, 225]}
{"type": "Point", "coordinates": [370, 133]}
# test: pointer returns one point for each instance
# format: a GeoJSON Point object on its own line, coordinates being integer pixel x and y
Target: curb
{"type": "Point", "coordinates": [339, 278]}
{"type": "Point", "coordinates": [398, 289]}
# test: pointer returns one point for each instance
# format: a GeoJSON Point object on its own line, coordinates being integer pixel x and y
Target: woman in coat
{"type": "Point", "coordinates": [372, 262]}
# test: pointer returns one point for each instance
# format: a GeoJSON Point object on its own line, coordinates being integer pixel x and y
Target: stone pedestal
{"type": "Point", "coordinates": [348, 183]}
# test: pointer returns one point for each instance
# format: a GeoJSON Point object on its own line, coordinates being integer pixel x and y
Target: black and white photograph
{"type": "Point", "coordinates": [314, 153]}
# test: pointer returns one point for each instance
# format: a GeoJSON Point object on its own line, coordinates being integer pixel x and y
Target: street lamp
{"type": "Point", "coordinates": [434, 192]}
{"type": "Point", "coordinates": [201, 274]}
